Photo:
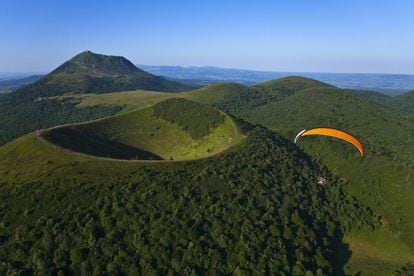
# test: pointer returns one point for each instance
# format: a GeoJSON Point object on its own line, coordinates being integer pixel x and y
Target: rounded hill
{"type": "Point", "coordinates": [174, 129]}
{"type": "Point", "coordinates": [287, 86]}
{"type": "Point", "coordinates": [294, 82]}
{"type": "Point", "coordinates": [89, 72]}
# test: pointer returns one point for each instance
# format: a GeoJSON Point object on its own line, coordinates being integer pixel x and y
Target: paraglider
{"type": "Point", "coordinates": [332, 132]}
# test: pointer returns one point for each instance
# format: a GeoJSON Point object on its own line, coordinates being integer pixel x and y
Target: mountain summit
{"type": "Point", "coordinates": [96, 64]}
{"type": "Point", "coordinates": [88, 72]}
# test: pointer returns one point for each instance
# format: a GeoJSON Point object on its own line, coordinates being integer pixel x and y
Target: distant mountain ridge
{"type": "Point", "coordinates": [9, 85]}
{"type": "Point", "coordinates": [391, 84]}
{"type": "Point", "coordinates": [99, 65]}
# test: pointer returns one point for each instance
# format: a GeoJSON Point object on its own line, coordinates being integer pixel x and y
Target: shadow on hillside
{"type": "Point", "coordinates": [81, 142]}
{"type": "Point", "coordinates": [342, 255]}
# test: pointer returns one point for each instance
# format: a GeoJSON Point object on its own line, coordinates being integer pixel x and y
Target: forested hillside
{"type": "Point", "coordinates": [242, 103]}
{"type": "Point", "coordinates": [386, 135]}
{"type": "Point", "coordinates": [403, 103]}
{"type": "Point", "coordinates": [255, 209]}
{"type": "Point", "coordinates": [20, 115]}
{"type": "Point", "coordinates": [383, 179]}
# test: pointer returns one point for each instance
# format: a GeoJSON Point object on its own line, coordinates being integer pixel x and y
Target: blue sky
{"type": "Point", "coordinates": [311, 36]}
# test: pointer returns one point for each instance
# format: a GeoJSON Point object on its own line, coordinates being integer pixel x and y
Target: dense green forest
{"type": "Point", "coordinates": [256, 209]}
{"type": "Point", "coordinates": [20, 115]}
{"type": "Point", "coordinates": [403, 103]}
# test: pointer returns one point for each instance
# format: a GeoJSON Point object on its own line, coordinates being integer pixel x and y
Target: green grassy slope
{"type": "Point", "coordinates": [376, 252]}
{"type": "Point", "coordinates": [133, 100]}
{"type": "Point", "coordinates": [88, 140]}
{"type": "Point", "coordinates": [223, 95]}
{"type": "Point", "coordinates": [215, 93]}
{"type": "Point", "coordinates": [255, 209]}
{"type": "Point", "coordinates": [210, 94]}
{"type": "Point", "coordinates": [175, 129]}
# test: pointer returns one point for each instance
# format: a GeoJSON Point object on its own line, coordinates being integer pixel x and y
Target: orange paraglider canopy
{"type": "Point", "coordinates": [332, 132]}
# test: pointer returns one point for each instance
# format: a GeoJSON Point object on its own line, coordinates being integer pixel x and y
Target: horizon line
{"type": "Point", "coordinates": [28, 73]}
